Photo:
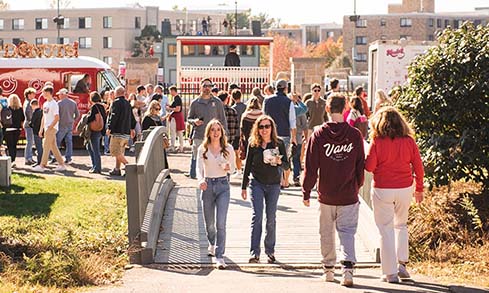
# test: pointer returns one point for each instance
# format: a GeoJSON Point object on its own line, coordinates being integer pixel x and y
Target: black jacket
{"type": "Point", "coordinates": [97, 108]}
{"type": "Point", "coordinates": [36, 121]}
{"type": "Point", "coordinates": [232, 59]}
{"type": "Point", "coordinates": [17, 118]}
{"type": "Point", "coordinates": [121, 120]}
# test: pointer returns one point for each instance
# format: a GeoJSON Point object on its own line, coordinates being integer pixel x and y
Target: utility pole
{"type": "Point", "coordinates": [57, 25]}
{"type": "Point", "coordinates": [354, 18]}
{"type": "Point", "coordinates": [235, 18]}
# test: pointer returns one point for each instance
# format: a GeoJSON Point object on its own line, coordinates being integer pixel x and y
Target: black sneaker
{"type": "Point", "coordinates": [30, 162]}
{"type": "Point", "coordinates": [297, 182]}
{"type": "Point", "coordinates": [115, 172]}
{"type": "Point", "coordinates": [271, 258]}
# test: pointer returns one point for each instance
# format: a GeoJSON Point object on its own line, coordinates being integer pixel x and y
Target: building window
{"type": "Point", "coordinates": [172, 50]}
{"type": "Point", "coordinates": [2, 26]}
{"type": "Point", "coordinates": [41, 23]}
{"type": "Point", "coordinates": [438, 23]}
{"type": "Point", "coordinates": [18, 24]}
{"type": "Point", "coordinates": [66, 24]}
{"type": "Point", "coordinates": [312, 34]}
{"type": "Point", "coordinates": [1, 42]}
{"type": "Point", "coordinates": [361, 40]}
{"type": "Point", "coordinates": [180, 26]}
{"type": "Point", "coordinates": [107, 21]}
{"type": "Point", "coordinates": [107, 60]}
{"type": "Point", "coordinates": [137, 22]}
{"type": "Point", "coordinates": [477, 22]}
{"type": "Point", "coordinates": [361, 57]}
{"type": "Point", "coordinates": [85, 42]}
{"type": "Point", "coordinates": [406, 37]}
{"type": "Point", "coordinates": [361, 23]}
{"type": "Point", "coordinates": [188, 50]}
{"type": "Point", "coordinates": [204, 50]}
{"type": "Point", "coordinates": [64, 41]}
{"type": "Point", "coordinates": [431, 38]}
{"type": "Point", "coordinates": [107, 42]}
{"type": "Point", "coordinates": [457, 23]}
{"type": "Point", "coordinates": [431, 22]}
{"type": "Point", "coordinates": [42, 41]}
{"type": "Point", "coordinates": [291, 35]}
{"type": "Point", "coordinates": [247, 50]}
{"type": "Point", "coordinates": [84, 22]}
{"type": "Point", "coordinates": [447, 23]}
{"type": "Point", "coordinates": [406, 22]}
{"type": "Point", "coordinates": [330, 35]}
{"type": "Point", "coordinates": [17, 41]}
{"type": "Point", "coordinates": [383, 22]}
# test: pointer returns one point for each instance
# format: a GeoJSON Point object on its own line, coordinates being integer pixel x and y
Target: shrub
{"type": "Point", "coordinates": [446, 100]}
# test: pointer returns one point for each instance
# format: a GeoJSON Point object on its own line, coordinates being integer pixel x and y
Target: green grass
{"type": "Point", "coordinates": [59, 232]}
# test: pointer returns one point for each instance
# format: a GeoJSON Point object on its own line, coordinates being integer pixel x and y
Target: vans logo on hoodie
{"type": "Point", "coordinates": [337, 152]}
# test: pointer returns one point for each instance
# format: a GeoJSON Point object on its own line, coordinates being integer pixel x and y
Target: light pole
{"type": "Point", "coordinates": [235, 18]}
{"type": "Point", "coordinates": [57, 24]}
{"type": "Point", "coordinates": [354, 18]}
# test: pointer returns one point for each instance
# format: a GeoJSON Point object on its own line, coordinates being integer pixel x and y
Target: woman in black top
{"type": "Point", "coordinates": [12, 132]}
{"type": "Point", "coordinates": [266, 159]}
{"type": "Point", "coordinates": [93, 146]}
{"type": "Point", "coordinates": [152, 116]}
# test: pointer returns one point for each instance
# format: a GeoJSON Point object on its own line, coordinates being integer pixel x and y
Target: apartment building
{"type": "Point", "coordinates": [306, 34]}
{"type": "Point", "coordinates": [104, 33]}
{"type": "Point", "coordinates": [411, 20]}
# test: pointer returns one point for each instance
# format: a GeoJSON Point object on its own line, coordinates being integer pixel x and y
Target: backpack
{"type": "Point", "coordinates": [6, 117]}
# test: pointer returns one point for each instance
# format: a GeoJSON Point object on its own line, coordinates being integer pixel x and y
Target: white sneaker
{"type": "Point", "coordinates": [402, 272]}
{"type": "Point", "coordinates": [328, 275]}
{"type": "Point", "coordinates": [220, 264]}
{"type": "Point", "coordinates": [60, 168]}
{"type": "Point", "coordinates": [38, 168]}
{"type": "Point", "coordinates": [390, 278]}
{"type": "Point", "coordinates": [211, 250]}
{"type": "Point", "coordinates": [347, 278]}
{"type": "Point", "coordinates": [237, 175]}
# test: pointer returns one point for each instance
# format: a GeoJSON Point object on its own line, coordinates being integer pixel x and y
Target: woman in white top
{"type": "Point", "coordinates": [215, 161]}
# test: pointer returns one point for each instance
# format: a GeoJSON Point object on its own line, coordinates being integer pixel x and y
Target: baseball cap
{"type": "Point", "coordinates": [62, 91]}
{"type": "Point", "coordinates": [281, 84]}
{"type": "Point", "coordinates": [215, 90]}
{"type": "Point", "coordinates": [233, 86]}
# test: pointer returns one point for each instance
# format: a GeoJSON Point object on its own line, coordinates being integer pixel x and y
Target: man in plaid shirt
{"type": "Point", "coordinates": [231, 117]}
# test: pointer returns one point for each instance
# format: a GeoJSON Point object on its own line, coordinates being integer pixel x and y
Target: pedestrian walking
{"type": "Point", "coordinates": [36, 126]}
{"type": "Point", "coordinates": [68, 114]}
{"type": "Point", "coordinates": [29, 95]}
{"type": "Point", "coordinates": [392, 158]}
{"type": "Point", "coordinates": [12, 131]}
{"type": "Point", "coordinates": [302, 132]}
{"type": "Point", "coordinates": [335, 154]}
{"type": "Point", "coordinates": [253, 111]}
{"type": "Point", "coordinates": [215, 161]}
{"type": "Point", "coordinates": [316, 108]}
{"type": "Point", "coordinates": [177, 121]}
{"type": "Point", "coordinates": [93, 145]}
{"type": "Point", "coordinates": [265, 161]}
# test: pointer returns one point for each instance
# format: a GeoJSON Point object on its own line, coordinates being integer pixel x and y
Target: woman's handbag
{"type": "Point", "coordinates": [98, 123]}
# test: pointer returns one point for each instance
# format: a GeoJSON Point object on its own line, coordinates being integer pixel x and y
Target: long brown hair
{"type": "Point", "coordinates": [255, 138]}
{"type": "Point", "coordinates": [388, 122]}
{"type": "Point", "coordinates": [207, 139]}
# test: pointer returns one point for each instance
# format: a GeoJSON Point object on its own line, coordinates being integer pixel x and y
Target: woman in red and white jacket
{"type": "Point", "coordinates": [392, 158]}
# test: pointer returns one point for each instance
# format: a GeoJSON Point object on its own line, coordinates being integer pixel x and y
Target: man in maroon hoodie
{"type": "Point", "coordinates": [336, 150]}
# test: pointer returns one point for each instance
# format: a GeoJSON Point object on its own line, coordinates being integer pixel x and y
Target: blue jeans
{"type": "Point", "coordinates": [38, 143]}
{"type": "Point", "coordinates": [93, 148]}
{"type": "Point", "coordinates": [106, 144]}
{"type": "Point", "coordinates": [193, 163]}
{"type": "Point", "coordinates": [215, 202]}
{"type": "Point", "coordinates": [66, 134]}
{"type": "Point", "coordinates": [296, 160]}
{"type": "Point", "coordinates": [270, 194]}
{"type": "Point", "coordinates": [29, 136]}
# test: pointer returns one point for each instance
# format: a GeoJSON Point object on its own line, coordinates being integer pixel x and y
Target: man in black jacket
{"type": "Point", "coordinates": [120, 126]}
{"type": "Point", "coordinates": [232, 58]}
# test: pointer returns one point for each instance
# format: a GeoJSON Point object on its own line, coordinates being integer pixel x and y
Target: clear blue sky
{"type": "Point", "coordinates": [308, 11]}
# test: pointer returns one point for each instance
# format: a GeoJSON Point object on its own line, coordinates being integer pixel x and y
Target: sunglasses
{"type": "Point", "coordinates": [316, 91]}
{"type": "Point", "coordinates": [158, 108]}
{"type": "Point", "coordinates": [207, 85]}
{"type": "Point", "coordinates": [265, 126]}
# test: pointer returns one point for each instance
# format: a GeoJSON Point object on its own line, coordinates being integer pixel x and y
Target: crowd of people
{"type": "Point", "coordinates": [325, 139]}
{"type": "Point", "coordinates": [329, 137]}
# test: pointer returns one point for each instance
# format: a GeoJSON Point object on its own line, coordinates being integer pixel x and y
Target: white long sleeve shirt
{"type": "Point", "coordinates": [211, 167]}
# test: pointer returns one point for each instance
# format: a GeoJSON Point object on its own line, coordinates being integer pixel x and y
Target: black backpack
{"type": "Point", "coordinates": [6, 117]}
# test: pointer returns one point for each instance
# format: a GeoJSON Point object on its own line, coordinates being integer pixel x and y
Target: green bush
{"type": "Point", "coordinates": [447, 101]}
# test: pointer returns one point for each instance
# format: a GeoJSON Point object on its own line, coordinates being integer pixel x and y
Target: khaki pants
{"type": "Point", "coordinates": [49, 145]}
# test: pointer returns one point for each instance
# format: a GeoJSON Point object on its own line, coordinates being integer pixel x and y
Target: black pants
{"type": "Point", "coordinates": [12, 137]}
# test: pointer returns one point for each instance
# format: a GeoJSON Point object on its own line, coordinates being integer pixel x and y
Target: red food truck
{"type": "Point", "coordinates": [28, 65]}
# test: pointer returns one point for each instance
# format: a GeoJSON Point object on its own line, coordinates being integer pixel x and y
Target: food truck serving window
{"type": "Point", "coordinates": [106, 80]}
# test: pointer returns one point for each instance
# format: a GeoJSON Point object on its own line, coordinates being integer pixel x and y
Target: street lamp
{"type": "Point", "coordinates": [236, 18]}
{"type": "Point", "coordinates": [59, 20]}
{"type": "Point", "coordinates": [354, 18]}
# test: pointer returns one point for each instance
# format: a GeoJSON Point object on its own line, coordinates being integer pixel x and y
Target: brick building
{"type": "Point", "coordinates": [412, 20]}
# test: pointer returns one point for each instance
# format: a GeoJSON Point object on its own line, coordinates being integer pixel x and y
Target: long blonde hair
{"type": "Point", "coordinates": [14, 102]}
{"type": "Point", "coordinates": [207, 138]}
{"type": "Point", "coordinates": [388, 122]}
{"type": "Point", "coordinates": [381, 100]}
{"type": "Point", "coordinates": [255, 138]}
